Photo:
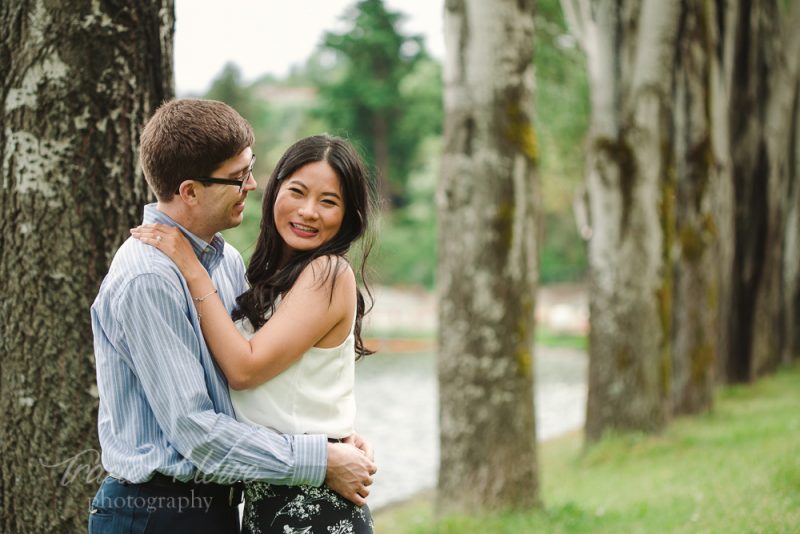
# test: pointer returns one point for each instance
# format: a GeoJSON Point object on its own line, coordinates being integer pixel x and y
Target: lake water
{"type": "Point", "coordinates": [398, 412]}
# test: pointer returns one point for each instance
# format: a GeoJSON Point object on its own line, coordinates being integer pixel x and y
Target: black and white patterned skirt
{"type": "Point", "coordinates": [301, 509]}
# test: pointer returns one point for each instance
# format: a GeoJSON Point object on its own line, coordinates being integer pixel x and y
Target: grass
{"type": "Point", "coordinates": [735, 469]}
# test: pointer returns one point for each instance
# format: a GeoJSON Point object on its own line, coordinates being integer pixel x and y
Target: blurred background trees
{"type": "Point", "coordinates": [692, 201]}
{"type": "Point", "coordinates": [372, 69]}
{"type": "Point", "coordinates": [384, 91]}
{"type": "Point", "coordinates": [683, 119]}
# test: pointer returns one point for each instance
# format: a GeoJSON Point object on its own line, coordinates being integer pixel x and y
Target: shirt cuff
{"type": "Point", "coordinates": [311, 460]}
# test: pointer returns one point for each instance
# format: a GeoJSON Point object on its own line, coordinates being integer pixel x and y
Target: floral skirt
{"type": "Point", "coordinates": [301, 509]}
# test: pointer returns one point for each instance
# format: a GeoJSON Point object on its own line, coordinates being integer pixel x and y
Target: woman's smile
{"type": "Point", "coordinates": [303, 231]}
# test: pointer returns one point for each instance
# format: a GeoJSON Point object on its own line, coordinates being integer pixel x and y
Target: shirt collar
{"type": "Point", "coordinates": [209, 254]}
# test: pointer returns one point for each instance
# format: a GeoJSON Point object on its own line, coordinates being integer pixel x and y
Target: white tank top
{"type": "Point", "coordinates": [312, 396]}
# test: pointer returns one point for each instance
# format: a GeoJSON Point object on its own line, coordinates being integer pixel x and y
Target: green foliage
{"type": "Point", "coordinates": [373, 71]}
{"type": "Point", "coordinates": [548, 338]}
{"type": "Point", "coordinates": [279, 112]}
{"type": "Point", "coordinates": [563, 254]}
{"type": "Point", "coordinates": [383, 91]}
{"type": "Point", "coordinates": [244, 236]}
{"type": "Point", "coordinates": [735, 469]}
{"type": "Point", "coordinates": [562, 118]}
{"type": "Point", "coordinates": [229, 87]}
{"type": "Point", "coordinates": [405, 250]}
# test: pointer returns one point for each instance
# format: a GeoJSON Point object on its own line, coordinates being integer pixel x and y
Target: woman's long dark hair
{"type": "Point", "coordinates": [268, 279]}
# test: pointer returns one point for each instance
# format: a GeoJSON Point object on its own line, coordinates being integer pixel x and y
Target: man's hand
{"type": "Point", "coordinates": [357, 441]}
{"type": "Point", "coordinates": [349, 472]}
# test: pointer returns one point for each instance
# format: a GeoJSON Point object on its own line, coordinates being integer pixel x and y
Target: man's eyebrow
{"type": "Point", "coordinates": [239, 173]}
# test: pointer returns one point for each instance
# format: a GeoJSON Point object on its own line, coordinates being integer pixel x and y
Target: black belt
{"type": "Point", "coordinates": [230, 495]}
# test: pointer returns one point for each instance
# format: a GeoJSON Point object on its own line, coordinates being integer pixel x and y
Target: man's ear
{"type": "Point", "coordinates": [188, 192]}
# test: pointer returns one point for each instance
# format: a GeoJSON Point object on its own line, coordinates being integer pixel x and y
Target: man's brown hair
{"type": "Point", "coordinates": [189, 138]}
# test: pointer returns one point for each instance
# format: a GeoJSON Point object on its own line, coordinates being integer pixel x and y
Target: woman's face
{"type": "Point", "coordinates": [309, 208]}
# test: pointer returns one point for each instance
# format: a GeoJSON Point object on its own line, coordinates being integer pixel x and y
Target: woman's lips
{"type": "Point", "coordinates": [302, 230]}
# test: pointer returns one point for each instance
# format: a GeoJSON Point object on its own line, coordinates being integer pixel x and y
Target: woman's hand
{"type": "Point", "coordinates": [171, 241]}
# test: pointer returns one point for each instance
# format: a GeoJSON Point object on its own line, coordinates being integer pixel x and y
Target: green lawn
{"type": "Point", "coordinates": [736, 469]}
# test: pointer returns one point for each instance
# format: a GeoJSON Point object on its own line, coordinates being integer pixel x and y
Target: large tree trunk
{"type": "Point", "coordinates": [696, 272]}
{"type": "Point", "coordinates": [791, 258]}
{"type": "Point", "coordinates": [763, 129]}
{"type": "Point", "coordinates": [78, 82]}
{"type": "Point", "coordinates": [630, 52]}
{"type": "Point", "coordinates": [783, 140]}
{"type": "Point", "coordinates": [487, 254]}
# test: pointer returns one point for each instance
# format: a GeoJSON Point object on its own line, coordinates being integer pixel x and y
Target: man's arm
{"type": "Point", "coordinates": [164, 352]}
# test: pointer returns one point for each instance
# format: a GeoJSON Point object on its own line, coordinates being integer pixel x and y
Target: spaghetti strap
{"type": "Point", "coordinates": [355, 316]}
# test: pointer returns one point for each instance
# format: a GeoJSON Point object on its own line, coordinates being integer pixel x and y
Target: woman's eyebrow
{"type": "Point", "coordinates": [331, 194]}
{"type": "Point", "coordinates": [298, 181]}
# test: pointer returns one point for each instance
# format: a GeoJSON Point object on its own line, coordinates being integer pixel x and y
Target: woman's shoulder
{"type": "Point", "coordinates": [329, 269]}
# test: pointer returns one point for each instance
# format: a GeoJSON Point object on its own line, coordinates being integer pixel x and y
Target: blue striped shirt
{"type": "Point", "coordinates": [164, 403]}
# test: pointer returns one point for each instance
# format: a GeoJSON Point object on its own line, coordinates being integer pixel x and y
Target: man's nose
{"type": "Point", "coordinates": [250, 183]}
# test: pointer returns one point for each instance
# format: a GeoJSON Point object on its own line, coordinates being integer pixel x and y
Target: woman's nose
{"type": "Point", "coordinates": [308, 212]}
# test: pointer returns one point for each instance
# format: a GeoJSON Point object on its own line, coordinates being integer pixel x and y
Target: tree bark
{"type": "Point", "coordinates": [630, 56]}
{"type": "Point", "coordinates": [762, 57]}
{"type": "Point", "coordinates": [79, 80]}
{"type": "Point", "coordinates": [696, 270]}
{"type": "Point", "coordinates": [487, 259]}
{"type": "Point", "coordinates": [783, 135]}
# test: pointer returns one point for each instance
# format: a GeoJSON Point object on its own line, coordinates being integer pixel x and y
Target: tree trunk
{"type": "Point", "coordinates": [487, 259]}
{"type": "Point", "coordinates": [763, 128]}
{"type": "Point", "coordinates": [696, 272]}
{"type": "Point", "coordinates": [630, 54]}
{"type": "Point", "coordinates": [79, 81]}
{"type": "Point", "coordinates": [791, 264]}
{"type": "Point", "coordinates": [783, 138]}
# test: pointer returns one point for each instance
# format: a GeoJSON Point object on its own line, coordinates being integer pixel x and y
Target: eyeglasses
{"type": "Point", "coordinates": [227, 181]}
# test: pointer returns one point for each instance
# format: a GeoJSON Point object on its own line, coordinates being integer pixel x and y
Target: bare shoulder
{"type": "Point", "coordinates": [329, 271]}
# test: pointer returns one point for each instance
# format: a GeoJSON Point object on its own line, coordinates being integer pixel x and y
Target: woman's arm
{"type": "Point", "coordinates": [306, 313]}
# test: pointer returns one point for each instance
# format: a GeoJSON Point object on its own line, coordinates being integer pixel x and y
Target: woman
{"type": "Point", "coordinates": [289, 356]}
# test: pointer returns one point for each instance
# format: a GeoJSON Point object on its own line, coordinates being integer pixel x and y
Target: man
{"type": "Point", "coordinates": [167, 430]}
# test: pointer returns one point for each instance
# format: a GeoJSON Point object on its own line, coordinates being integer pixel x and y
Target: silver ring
{"type": "Point", "coordinates": [158, 239]}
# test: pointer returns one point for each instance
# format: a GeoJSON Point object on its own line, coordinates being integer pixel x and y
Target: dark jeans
{"type": "Point", "coordinates": [123, 507]}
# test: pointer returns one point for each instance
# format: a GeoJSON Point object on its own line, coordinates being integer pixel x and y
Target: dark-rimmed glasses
{"type": "Point", "coordinates": [227, 181]}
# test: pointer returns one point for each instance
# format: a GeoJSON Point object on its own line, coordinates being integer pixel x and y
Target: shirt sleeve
{"type": "Point", "coordinates": [165, 355]}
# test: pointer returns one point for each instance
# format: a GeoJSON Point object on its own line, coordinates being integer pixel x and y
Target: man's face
{"type": "Point", "coordinates": [222, 206]}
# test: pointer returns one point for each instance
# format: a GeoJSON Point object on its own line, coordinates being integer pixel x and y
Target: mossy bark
{"type": "Point", "coordinates": [79, 80]}
{"type": "Point", "coordinates": [696, 259]}
{"type": "Point", "coordinates": [487, 204]}
{"type": "Point", "coordinates": [630, 183]}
